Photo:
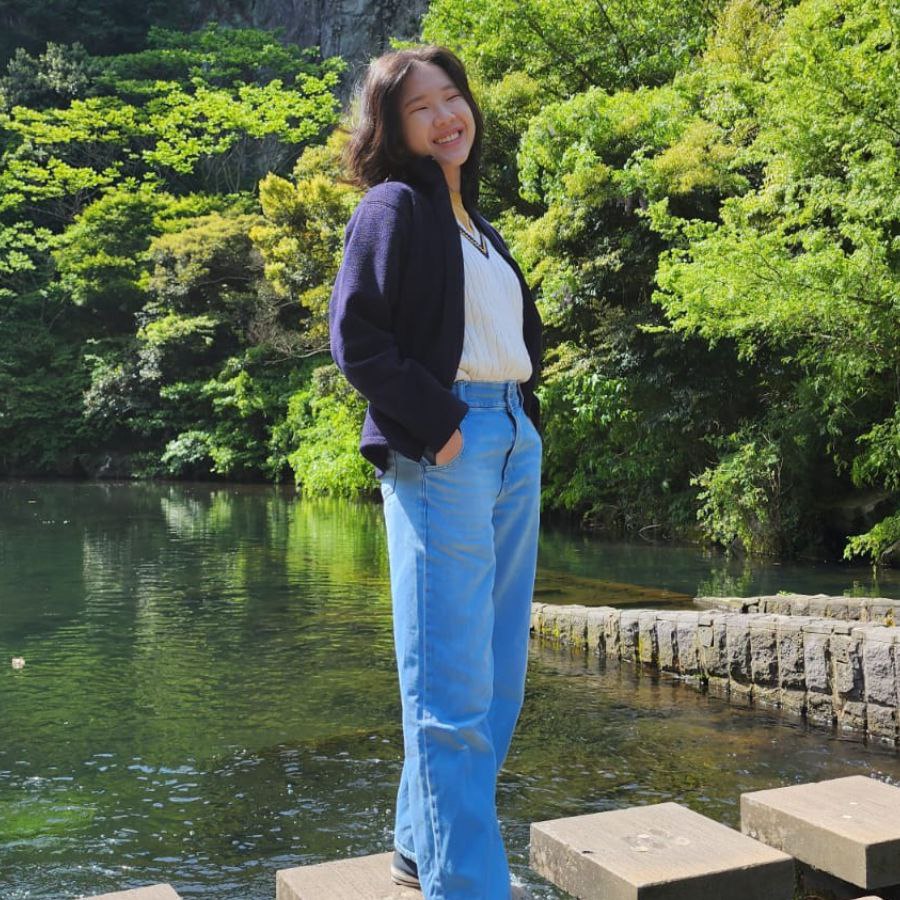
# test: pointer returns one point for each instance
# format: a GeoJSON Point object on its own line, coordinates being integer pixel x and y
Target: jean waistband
{"type": "Point", "coordinates": [489, 393]}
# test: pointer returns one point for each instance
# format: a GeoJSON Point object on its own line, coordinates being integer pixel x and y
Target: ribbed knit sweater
{"type": "Point", "coordinates": [493, 344]}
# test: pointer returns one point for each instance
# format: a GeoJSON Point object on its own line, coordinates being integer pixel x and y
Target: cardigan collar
{"type": "Point", "coordinates": [426, 170]}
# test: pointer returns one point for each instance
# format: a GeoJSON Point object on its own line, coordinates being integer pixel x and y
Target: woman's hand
{"type": "Point", "coordinates": [448, 452]}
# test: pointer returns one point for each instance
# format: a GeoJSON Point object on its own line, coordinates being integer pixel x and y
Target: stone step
{"type": "Point", "coordinates": [362, 878]}
{"type": "Point", "coordinates": [151, 892]}
{"type": "Point", "coordinates": [663, 851]}
{"type": "Point", "coordinates": [847, 827]}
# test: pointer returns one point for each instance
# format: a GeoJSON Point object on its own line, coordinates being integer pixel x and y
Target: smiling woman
{"type": "Point", "coordinates": [433, 323]}
{"type": "Point", "coordinates": [437, 120]}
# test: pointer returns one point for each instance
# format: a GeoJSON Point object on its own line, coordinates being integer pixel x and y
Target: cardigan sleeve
{"type": "Point", "coordinates": [362, 341]}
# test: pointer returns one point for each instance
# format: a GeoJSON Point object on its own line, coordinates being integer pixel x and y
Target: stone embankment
{"type": "Point", "coordinates": [829, 670]}
{"type": "Point", "coordinates": [870, 610]}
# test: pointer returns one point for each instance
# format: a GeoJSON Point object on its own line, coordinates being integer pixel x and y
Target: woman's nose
{"type": "Point", "coordinates": [442, 113]}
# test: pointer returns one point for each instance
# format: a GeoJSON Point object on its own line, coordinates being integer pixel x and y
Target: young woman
{"type": "Point", "coordinates": [432, 321]}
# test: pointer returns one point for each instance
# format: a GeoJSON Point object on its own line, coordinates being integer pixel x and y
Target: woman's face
{"type": "Point", "coordinates": [437, 121]}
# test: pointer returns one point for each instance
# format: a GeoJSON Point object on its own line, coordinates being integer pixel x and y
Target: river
{"type": "Point", "coordinates": [209, 691]}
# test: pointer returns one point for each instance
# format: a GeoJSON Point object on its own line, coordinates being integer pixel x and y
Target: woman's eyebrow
{"type": "Point", "coordinates": [447, 87]}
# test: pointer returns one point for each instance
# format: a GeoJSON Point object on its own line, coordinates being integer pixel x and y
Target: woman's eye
{"type": "Point", "coordinates": [425, 108]}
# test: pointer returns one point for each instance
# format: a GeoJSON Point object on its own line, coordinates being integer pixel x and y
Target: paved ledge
{"type": "Point", "coordinates": [153, 892]}
{"type": "Point", "coordinates": [848, 828]}
{"type": "Point", "coordinates": [663, 851]}
{"type": "Point", "coordinates": [874, 610]}
{"type": "Point", "coordinates": [362, 878]}
{"type": "Point", "coordinates": [832, 672]}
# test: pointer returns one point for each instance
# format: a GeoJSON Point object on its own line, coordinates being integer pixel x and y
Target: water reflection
{"type": "Point", "coordinates": [210, 693]}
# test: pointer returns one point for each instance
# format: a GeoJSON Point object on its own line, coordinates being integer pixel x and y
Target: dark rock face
{"type": "Point", "coordinates": [354, 29]}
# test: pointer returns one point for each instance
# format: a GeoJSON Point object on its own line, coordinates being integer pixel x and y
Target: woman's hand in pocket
{"type": "Point", "coordinates": [448, 452]}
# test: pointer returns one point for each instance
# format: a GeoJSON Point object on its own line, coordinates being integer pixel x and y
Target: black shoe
{"type": "Point", "coordinates": [404, 871]}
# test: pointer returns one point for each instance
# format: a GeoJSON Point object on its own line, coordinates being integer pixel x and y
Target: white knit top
{"type": "Point", "coordinates": [494, 345]}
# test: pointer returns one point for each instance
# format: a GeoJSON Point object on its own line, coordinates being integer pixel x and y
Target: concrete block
{"type": "Point", "coordinates": [879, 680]}
{"type": "Point", "coordinates": [595, 635]}
{"type": "Point", "coordinates": [614, 635]}
{"type": "Point", "coordinates": [629, 624]}
{"type": "Point", "coordinates": [879, 675]}
{"type": "Point", "coordinates": [791, 671]}
{"type": "Point", "coordinates": [537, 617]}
{"type": "Point", "coordinates": [818, 606]}
{"type": "Point", "coordinates": [152, 892]}
{"type": "Point", "coordinates": [362, 878]}
{"type": "Point", "coordinates": [817, 667]}
{"type": "Point", "coordinates": [688, 642]}
{"type": "Point", "coordinates": [837, 608]}
{"type": "Point", "coordinates": [727, 604]}
{"type": "Point", "coordinates": [737, 651]}
{"type": "Point", "coordinates": [658, 852]}
{"type": "Point", "coordinates": [846, 827]}
{"type": "Point", "coordinates": [846, 660]}
{"type": "Point", "coordinates": [764, 660]}
{"type": "Point", "coordinates": [667, 642]}
{"type": "Point", "coordinates": [764, 651]}
{"type": "Point", "coordinates": [575, 634]}
{"type": "Point", "coordinates": [713, 660]}
{"type": "Point", "coordinates": [648, 650]}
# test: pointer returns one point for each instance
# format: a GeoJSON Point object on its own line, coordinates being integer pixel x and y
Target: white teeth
{"type": "Point", "coordinates": [450, 137]}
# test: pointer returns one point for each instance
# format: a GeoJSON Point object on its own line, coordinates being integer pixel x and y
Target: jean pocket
{"type": "Point", "coordinates": [429, 457]}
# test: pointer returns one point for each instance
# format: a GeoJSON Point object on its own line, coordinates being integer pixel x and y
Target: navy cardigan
{"type": "Point", "coordinates": [397, 311]}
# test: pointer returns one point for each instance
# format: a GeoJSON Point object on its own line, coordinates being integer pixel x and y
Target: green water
{"type": "Point", "coordinates": [209, 692]}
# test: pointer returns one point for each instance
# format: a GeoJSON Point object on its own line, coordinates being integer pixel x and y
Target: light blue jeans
{"type": "Point", "coordinates": [462, 545]}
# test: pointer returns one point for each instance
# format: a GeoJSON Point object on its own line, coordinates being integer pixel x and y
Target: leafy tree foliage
{"type": "Point", "coordinates": [126, 204]}
{"type": "Point", "coordinates": [804, 264]}
{"type": "Point", "coordinates": [570, 47]}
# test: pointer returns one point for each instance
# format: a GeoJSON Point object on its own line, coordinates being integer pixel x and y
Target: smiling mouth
{"type": "Point", "coordinates": [450, 138]}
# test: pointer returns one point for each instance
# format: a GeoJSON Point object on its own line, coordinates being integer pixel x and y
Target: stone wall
{"type": "Point", "coordinates": [880, 610]}
{"type": "Point", "coordinates": [830, 671]}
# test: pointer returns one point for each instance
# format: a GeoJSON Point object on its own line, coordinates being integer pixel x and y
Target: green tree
{"type": "Point", "coordinates": [803, 266]}
{"type": "Point", "coordinates": [571, 47]}
{"type": "Point", "coordinates": [126, 198]}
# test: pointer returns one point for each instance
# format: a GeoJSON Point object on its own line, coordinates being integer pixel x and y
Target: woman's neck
{"type": "Point", "coordinates": [459, 209]}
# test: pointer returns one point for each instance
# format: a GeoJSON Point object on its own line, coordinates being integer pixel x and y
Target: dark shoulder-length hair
{"type": "Point", "coordinates": [376, 150]}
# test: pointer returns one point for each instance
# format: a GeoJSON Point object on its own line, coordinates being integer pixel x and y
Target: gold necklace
{"type": "Point", "coordinates": [480, 245]}
{"type": "Point", "coordinates": [458, 207]}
